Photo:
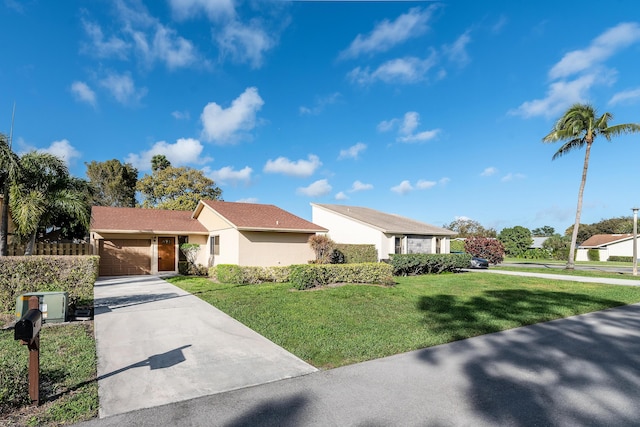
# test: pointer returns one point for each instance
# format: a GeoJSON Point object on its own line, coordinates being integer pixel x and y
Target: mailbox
{"type": "Point", "coordinates": [28, 327]}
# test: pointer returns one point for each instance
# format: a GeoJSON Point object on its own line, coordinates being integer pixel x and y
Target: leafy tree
{"type": "Point", "coordinates": [484, 247]}
{"type": "Point", "coordinates": [159, 162]}
{"type": "Point", "coordinates": [516, 240]}
{"type": "Point", "coordinates": [578, 127]}
{"type": "Point", "coordinates": [9, 171]}
{"type": "Point", "coordinates": [176, 188]}
{"type": "Point", "coordinates": [323, 246]}
{"type": "Point", "coordinates": [469, 228]}
{"type": "Point", "coordinates": [114, 183]}
{"type": "Point", "coordinates": [545, 231]}
{"type": "Point", "coordinates": [44, 189]}
{"type": "Point", "coordinates": [558, 246]}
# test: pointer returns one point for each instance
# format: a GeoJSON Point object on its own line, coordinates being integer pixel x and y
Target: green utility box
{"type": "Point", "coordinates": [53, 305]}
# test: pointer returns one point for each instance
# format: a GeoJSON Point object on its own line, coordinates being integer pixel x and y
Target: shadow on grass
{"type": "Point", "coordinates": [578, 371]}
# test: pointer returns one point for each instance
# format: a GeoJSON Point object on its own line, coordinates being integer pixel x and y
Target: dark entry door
{"type": "Point", "coordinates": [166, 253]}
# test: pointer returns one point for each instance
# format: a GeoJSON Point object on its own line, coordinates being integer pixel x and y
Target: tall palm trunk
{"type": "Point", "coordinates": [576, 225]}
{"type": "Point", "coordinates": [4, 223]}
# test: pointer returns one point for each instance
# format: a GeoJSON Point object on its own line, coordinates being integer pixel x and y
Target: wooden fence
{"type": "Point", "coordinates": [54, 249]}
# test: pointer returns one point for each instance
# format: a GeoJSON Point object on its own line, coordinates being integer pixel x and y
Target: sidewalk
{"type": "Point", "coordinates": [583, 279]}
{"type": "Point", "coordinates": [158, 344]}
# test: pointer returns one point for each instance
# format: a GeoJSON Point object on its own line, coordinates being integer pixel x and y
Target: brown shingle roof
{"type": "Point", "coordinates": [604, 239]}
{"type": "Point", "coordinates": [387, 223]}
{"type": "Point", "coordinates": [253, 216]}
{"type": "Point", "coordinates": [106, 218]}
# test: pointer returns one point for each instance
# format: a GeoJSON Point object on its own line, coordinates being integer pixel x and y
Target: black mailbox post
{"type": "Point", "coordinates": [27, 330]}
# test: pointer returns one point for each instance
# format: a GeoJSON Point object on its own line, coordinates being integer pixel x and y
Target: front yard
{"type": "Point", "coordinates": [337, 326]}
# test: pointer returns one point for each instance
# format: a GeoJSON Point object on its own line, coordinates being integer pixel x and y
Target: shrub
{"type": "Point", "coordinates": [413, 264]}
{"type": "Point", "coordinates": [47, 273]}
{"type": "Point", "coordinates": [593, 255]}
{"type": "Point", "coordinates": [314, 275]}
{"type": "Point", "coordinates": [618, 258]}
{"type": "Point", "coordinates": [354, 254]}
{"type": "Point", "coordinates": [228, 273]}
{"type": "Point", "coordinates": [516, 240]}
{"type": "Point", "coordinates": [490, 249]}
{"type": "Point", "coordinates": [536, 253]}
{"type": "Point", "coordinates": [337, 257]}
{"type": "Point", "coordinates": [456, 246]}
{"type": "Point", "coordinates": [190, 251]}
{"type": "Point", "coordinates": [323, 246]}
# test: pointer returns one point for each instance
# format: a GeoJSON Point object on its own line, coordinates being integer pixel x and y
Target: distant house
{"type": "Point", "coordinates": [537, 242]}
{"type": "Point", "coordinates": [391, 234]}
{"type": "Point", "coordinates": [134, 241]}
{"type": "Point", "coordinates": [608, 245]}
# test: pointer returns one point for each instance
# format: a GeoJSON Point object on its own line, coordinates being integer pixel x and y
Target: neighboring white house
{"type": "Point", "coordinates": [391, 234]}
{"type": "Point", "coordinates": [608, 245]}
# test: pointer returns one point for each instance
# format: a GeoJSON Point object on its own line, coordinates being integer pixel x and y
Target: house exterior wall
{"type": "Point", "coordinates": [266, 249]}
{"type": "Point", "coordinates": [345, 230]}
{"type": "Point", "coordinates": [229, 247]}
{"type": "Point", "coordinates": [623, 248]}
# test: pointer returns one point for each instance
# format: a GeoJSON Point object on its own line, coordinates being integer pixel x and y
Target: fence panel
{"type": "Point", "coordinates": [71, 249]}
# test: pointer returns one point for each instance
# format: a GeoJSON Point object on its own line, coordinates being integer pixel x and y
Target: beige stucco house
{"type": "Point", "coordinates": [608, 245]}
{"type": "Point", "coordinates": [147, 241]}
{"type": "Point", "coordinates": [391, 234]}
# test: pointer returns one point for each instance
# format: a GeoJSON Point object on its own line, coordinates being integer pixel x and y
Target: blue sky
{"type": "Point", "coordinates": [431, 110]}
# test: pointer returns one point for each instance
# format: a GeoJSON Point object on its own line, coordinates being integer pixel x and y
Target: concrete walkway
{"type": "Point", "coordinates": [158, 344]}
{"type": "Point", "coordinates": [583, 279]}
{"type": "Point", "coordinates": [579, 371]}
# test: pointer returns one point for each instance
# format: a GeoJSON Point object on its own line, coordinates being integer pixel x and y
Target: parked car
{"type": "Point", "coordinates": [477, 262]}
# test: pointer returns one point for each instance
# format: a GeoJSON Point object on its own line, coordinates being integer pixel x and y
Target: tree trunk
{"type": "Point", "coordinates": [31, 244]}
{"type": "Point", "coordinates": [4, 223]}
{"type": "Point", "coordinates": [576, 225]}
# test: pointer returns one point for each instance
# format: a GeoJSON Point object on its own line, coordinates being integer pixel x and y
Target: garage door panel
{"type": "Point", "coordinates": [119, 257]}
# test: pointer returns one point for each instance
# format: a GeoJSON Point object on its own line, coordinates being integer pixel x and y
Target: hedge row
{"type": "Point", "coordinates": [231, 273]}
{"type": "Point", "coordinates": [354, 254]}
{"type": "Point", "coordinates": [619, 258]}
{"type": "Point", "coordinates": [314, 275]}
{"type": "Point", "coordinates": [413, 264]}
{"type": "Point", "coordinates": [47, 273]}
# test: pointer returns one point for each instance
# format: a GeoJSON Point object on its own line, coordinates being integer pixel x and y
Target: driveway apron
{"type": "Point", "coordinates": [158, 344]}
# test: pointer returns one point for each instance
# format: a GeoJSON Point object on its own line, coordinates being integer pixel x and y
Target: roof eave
{"type": "Point", "coordinates": [283, 230]}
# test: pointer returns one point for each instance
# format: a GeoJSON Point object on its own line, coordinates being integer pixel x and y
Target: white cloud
{"type": "Point", "coordinates": [341, 196]}
{"type": "Point", "coordinates": [183, 152]}
{"type": "Point", "coordinates": [299, 168]}
{"type": "Point", "coordinates": [214, 9]}
{"type": "Point", "coordinates": [317, 189]}
{"type": "Point", "coordinates": [400, 70]}
{"type": "Point", "coordinates": [248, 200]}
{"type": "Point", "coordinates": [601, 48]}
{"type": "Point", "coordinates": [387, 125]}
{"type": "Point", "coordinates": [457, 52]}
{"type": "Point", "coordinates": [122, 88]}
{"type": "Point", "coordinates": [82, 92]}
{"type": "Point", "coordinates": [421, 136]}
{"type": "Point", "coordinates": [98, 46]}
{"type": "Point", "coordinates": [425, 185]}
{"type": "Point", "coordinates": [444, 180]}
{"type": "Point", "coordinates": [181, 115]}
{"type": "Point", "coordinates": [228, 174]}
{"type": "Point", "coordinates": [407, 127]}
{"type": "Point", "coordinates": [512, 176]}
{"type": "Point", "coordinates": [388, 34]}
{"type": "Point", "coordinates": [410, 123]}
{"type": "Point", "coordinates": [628, 96]}
{"type": "Point", "coordinates": [489, 171]}
{"type": "Point", "coordinates": [352, 152]}
{"type": "Point", "coordinates": [245, 43]}
{"type": "Point", "coordinates": [321, 104]}
{"type": "Point", "coordinates": [403, 188]}
{"type": "Point", "coordinates": [223, 124]}
{"type": "Point", "coordinates": [360, 186]}
{"type": "Point", "coordinates": [62, 149]}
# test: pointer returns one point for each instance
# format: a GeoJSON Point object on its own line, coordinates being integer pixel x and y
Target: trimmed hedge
{"type": "Point", "coordinates": [414, 264]}
{"type": "Point", "coordinates": [593, 255]}
{"type": "Point", "coordinates": [231, 273]}
{"type": "Point", "coordinates": [314, 275]}
{"type": "Point", "coordinates": [619, 258]}
{"type": "Point", "coordinates": [47, 273]}
{"type": "Point", "coordinates": [354, 254]}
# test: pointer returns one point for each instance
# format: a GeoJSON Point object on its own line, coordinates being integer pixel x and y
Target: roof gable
{"type": "Point", "coordinates": [259, 217]}
{"type": "Point", "coordinates": [387, 223]}
{"type": "Point", "coordinates": [600, 240]}
{"type": "Point", "coordinates": [107, 218]}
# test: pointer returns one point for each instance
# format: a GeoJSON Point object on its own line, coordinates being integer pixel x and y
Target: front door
{"type": "Point", "coordinates": [166, 254]}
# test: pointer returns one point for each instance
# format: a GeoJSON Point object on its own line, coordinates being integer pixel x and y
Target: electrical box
{"type": "Point", "coordinates": [53, 305]}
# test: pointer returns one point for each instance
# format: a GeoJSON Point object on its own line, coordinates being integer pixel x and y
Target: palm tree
{"type": "Point", "coordinates": [579, 127]}
{"type": "Point", "coordinates": [44, 189]}
{"type": "Point", "coordinates": [9, 168]}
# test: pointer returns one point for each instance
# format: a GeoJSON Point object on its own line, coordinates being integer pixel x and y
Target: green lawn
{"type": "Point", "coordinates": [342, 325]}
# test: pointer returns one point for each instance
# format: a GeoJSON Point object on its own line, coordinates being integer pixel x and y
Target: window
{"type": "Point", "coordinates": [214, 245]}
{"type": "Point", "coordinates": [398, 245]}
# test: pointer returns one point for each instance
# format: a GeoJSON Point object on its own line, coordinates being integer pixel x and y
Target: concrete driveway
{"type": "Point", "coordinates": [157, 344]}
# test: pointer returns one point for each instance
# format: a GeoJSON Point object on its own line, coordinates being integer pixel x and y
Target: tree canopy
{"type": "Point", "coordinates": [113, 183]}
{"type": "Point", "coordinates": [515, 240]}
{"type": "Point", "coordinates": [176, 188]}
{"type": "Point", "coordinates": [466, 227]}
{"type": "Point", "coordinates": [544, 231]}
